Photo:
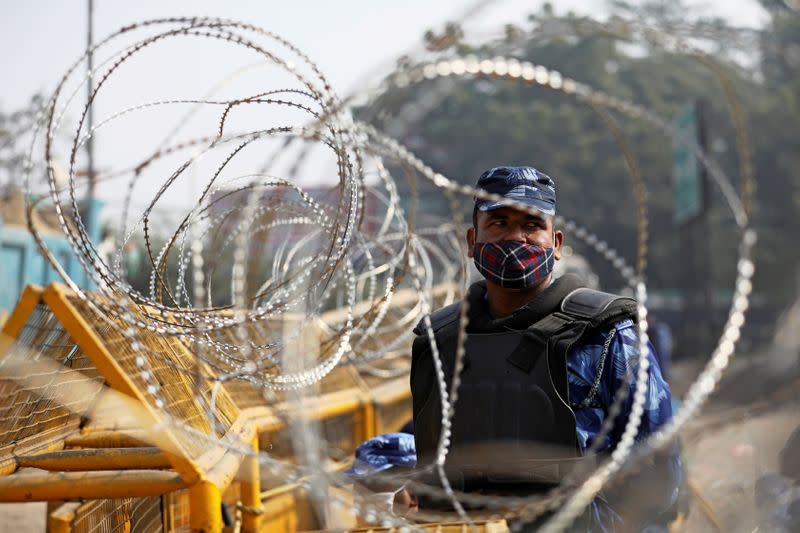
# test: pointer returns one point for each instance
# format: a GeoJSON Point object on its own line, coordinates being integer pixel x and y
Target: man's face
{"type": "Point", "coordinates": [509, 224]}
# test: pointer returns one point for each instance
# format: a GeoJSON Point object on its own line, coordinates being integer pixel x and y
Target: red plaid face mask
{"type": "Point", "coordinates": [513, 264]}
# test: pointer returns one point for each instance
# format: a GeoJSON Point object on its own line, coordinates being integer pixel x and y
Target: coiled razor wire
{"type": "Point", "coordinates": [337, 251]}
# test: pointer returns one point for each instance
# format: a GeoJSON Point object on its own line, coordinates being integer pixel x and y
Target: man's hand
{"type": "Point", "coordinates": [404, 503]}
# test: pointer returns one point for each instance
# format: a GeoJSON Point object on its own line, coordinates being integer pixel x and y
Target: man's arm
{"type": "Point", "coordinates": [624, 358]}
{"type": "Point", "coordinates": [654, 488]}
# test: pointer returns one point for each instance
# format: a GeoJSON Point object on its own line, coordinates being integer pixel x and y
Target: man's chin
{"type": "Point", "coordinates": [516, 290]}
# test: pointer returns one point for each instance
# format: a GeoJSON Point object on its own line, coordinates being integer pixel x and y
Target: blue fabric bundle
{"type": "Point", "coordinates": [383, 452]}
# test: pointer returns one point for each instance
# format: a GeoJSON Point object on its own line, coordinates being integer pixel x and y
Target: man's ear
{"type": "Point", "coordinates": [470, 241]}
{"type": "Point", "coordinates": [558, 241]}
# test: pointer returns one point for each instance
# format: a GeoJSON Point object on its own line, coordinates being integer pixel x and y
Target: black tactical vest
{"type": "Point", "coordinates": [513, 424]}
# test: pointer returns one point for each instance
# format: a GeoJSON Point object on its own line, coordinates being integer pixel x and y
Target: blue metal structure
{"type": "Point", "coordinates": [22, 264]}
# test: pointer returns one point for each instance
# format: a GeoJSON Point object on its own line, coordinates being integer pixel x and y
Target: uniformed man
{"type": "Point", "coordinates": [545, 359]}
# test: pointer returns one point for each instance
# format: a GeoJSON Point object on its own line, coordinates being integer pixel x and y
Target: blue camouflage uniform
{"type": "Point", "coordinates": [585, 369]}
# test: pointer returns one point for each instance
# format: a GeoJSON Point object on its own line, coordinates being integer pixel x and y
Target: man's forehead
{"type": "Point", "coordinates": [513, 212]}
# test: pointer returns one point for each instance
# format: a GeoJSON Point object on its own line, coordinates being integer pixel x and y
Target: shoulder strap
{"type": "Point", "coordinates": [440, 318]}
{"type": "Point", "coordinates": [597, 307]}
{"type": "Point", "coordinates": [581, 310]}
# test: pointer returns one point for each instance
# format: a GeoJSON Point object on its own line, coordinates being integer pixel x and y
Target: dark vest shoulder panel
{"type": "Point", "coordinates": [440, 318]}
{"type": "Point", "coordinates": [597, 307]}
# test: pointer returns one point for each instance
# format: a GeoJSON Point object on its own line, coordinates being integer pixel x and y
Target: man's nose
{"type": "Point", "coordinates": [517, 233]}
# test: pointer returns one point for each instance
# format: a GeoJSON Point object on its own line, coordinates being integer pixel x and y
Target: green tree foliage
{"type": "Point", "coordinates": [15, 129]}
{"type": "Point", "coordinates": [477, 124]}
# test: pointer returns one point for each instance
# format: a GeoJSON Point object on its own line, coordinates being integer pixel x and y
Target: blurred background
{"type": "Point", "coordinates": [460, 127]}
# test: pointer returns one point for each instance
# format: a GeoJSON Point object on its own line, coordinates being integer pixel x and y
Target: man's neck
{"type": "Point", "coordinates": [503, 302]}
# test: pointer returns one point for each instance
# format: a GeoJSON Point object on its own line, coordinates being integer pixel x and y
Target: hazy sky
{"type": "Point", "coordinates": [347, 38]}
{"type": "Point", "coordinates": [39, 38]}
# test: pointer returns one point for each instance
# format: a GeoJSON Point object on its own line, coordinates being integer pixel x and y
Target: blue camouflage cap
{"type": "Point", "coordinates": [521, 184]}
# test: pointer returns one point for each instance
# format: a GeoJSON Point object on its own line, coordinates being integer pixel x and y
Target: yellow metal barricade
{"type": "Point", "coordinates": [29, 420]}
{"type": "Point", "coordinates": [129, 515]}
{"type": "Point", "coordinates": [171, 479]}
{"type": "Point", "coordinates": [491, 526]}
{"type": "Point", "coordinates": [176, 511]}
{"type": "Point", "coordinates": [64, 342]}
{"type": "Point", "coordinates": [392, 405]}
{"type": "Point", "coordinates": [96, 516]}
{"type": "Point", "coordinates": [147, 515]}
